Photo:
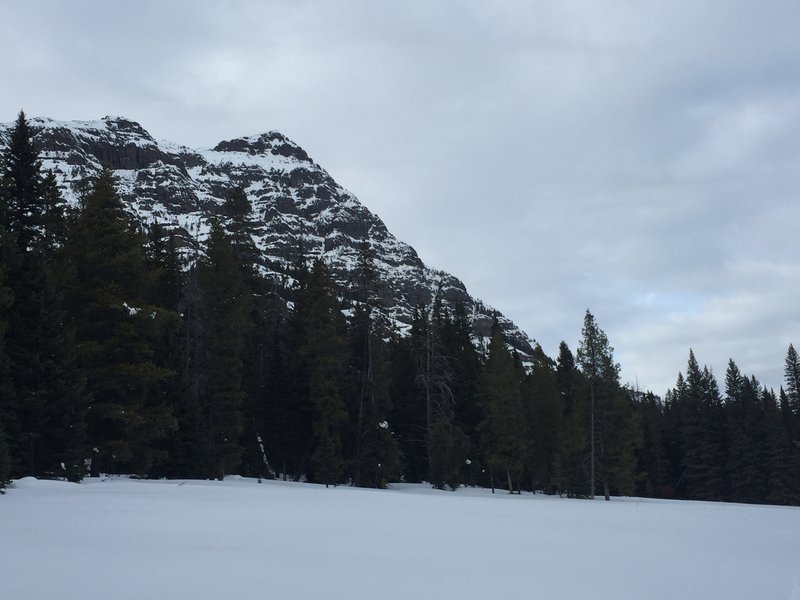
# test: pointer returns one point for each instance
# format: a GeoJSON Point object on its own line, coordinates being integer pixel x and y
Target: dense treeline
{"type": "Point", "coordinates": [121, 353]}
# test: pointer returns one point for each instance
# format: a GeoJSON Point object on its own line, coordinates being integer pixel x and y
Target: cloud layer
{"type": "Point", "coordinates": [637, 158]}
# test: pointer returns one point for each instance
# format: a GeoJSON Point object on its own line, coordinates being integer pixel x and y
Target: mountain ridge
{"type": "Point", "coordinates": [294, 201]}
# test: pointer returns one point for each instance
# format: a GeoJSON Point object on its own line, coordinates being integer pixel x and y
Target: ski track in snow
{"type": "Point", "coordinates": [127, 539]}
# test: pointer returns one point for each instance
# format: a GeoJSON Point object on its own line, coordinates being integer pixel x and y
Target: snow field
{"type": "Point", "coordinates": [124, 539]}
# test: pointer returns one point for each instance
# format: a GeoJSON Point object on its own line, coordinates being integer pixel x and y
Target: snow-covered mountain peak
{"type": "Point", "coordinates": [271, 142]}
{"type": "Point", "coordinates": [295, 202]}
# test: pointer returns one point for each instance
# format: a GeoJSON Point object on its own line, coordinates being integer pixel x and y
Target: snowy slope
{"type": "Point", "coordinates": [293, 199]}
{"type": "Point", "coordinates": [125, 539]}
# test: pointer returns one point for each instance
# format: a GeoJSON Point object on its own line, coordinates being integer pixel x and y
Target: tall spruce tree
{"type": "Point", "coordinates": [189, 446]}
{"type": "Point", "coordinates": [466, 381]}
{"type": "Point", "coordinates": [169, 349]}
{"type": "Point", "coordinates": [780, 465]}
{"type": "Point", "coordinates": [324, 350]}
{"type": "Point", "coordinates": [745, 412]}
{"type": "Point", "coordinates": [504, 423]}
{"type": "Point", "coordinates": [226, 309]}
{"type": "Point", "coordinates": [545, 424]}
{"type": "Point", "coordinates": [574, 436]}
{"type": "Point", "coordinates": [702, 434]}
{"type": "Point", "coordinates": [614, 430]}
{"type": "Point", "coordinates": [21, 185]}
{"type": "Point", "coordinates": [446, 445]}
{"type": "Point", "coordinates": [409, 417]}
{"type": "Point", "coordinates": [792, 379]}
{"type": "Point", "coordinates": [48, 387]}
{"type": "Point", "coordinates": [377, 456]}
{"type": "Point", "coordinates": [111, 304]}
{"type": "Point", "coordinates": [652, 467]}
{"type": "Point", "coordinates": [292, 437]}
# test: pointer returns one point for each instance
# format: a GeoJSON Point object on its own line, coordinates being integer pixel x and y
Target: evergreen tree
{"type": "Point", "coordinates": [504, 424]}
{"type": "Point", "coordinates": [652, 467]}
{"type": "Point", "coordinates": [49, 385]}
{"type": "Point", "coordinates": [21, 186]}
{"type": "Point", "coordinates": [49, 403]}
{"type": "Point", "coordinates": [446, 445]}
{"type": "Point", "coordinates": [292, 436]}
{"type": "Point", "coordinates": [792, 378]}
{"type": "Point", "coordinates": [240, 227]}
{"type": "Point", "coordinates": [409, 416]}
{"type": "Point", "coordinates": [226, 310]}
{"type": "Point", "coordinates": [545, 422]}
{"type": "Point", "coordinates": [110, 303]}
{"type": "Point", "coordinates": [377, 457]}
{"type": "Point", "coordinates": [260, 354]}
{"type": "Point", "coordinates": [573, 454]}
{"type": "Point", "coordinates": [702, 432]}
{"type": "Point", "coordinates": [613, 426]}
{"type": "Point", "coordinates": [745, 414]}
{"type": "Point", "coordinates": [189, 450]}
{"type": "Point", "coordinates": [53, 215]}
{"type": "Point", "coordinates": [780, 464]}
{"type": "Point", "coordinates": [170, 352]}
{"type": "Point", "coordinates": [324, 351]}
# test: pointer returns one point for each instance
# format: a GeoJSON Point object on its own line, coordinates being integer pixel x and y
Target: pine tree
{"type": "Point", "coordinates": [110, 302]}
{"type": "Point", "coordinates": [780, 464]}
{"type": "Point", "coordinates": [240, 227]}
{"type": "Point", "coordinates": [545, 423]}
{"type": "Point", "coordinates": [504, 424]}
{"type": "Point", "coordinates": [226, 309]}
{"type": "Point", "coordinates": [53, 215]}
{"type": "Point", "coordinates": [377, 455]}
{"type": "Point", "coordinates": [324, 351]}
{"type": "Point", "coordinates": [292, 435]}
{"type": "Point", "coordinates": [573, 453]}
{"type": "Point", "coordinates": [702, 434]}
{"type": "Point", "coordinates": [614, 430]}
{"type": "Point", "coordinates": [189, 448]}
{"type": "Point", "coordinates": [409, 414]}
{"type": "Point", "coordinates": [792, 378]}
{"type": "Point", "coordinates": [745, 412]}
{"type": "Point", "coordinates": [172, 458]}
{"type": "Point", "coordinates": [48, 387]}
{"type": "Point", "coordinates": [467, 365]}
{"type": "Point", "coordinates": [652, 468]}
{"type": "Point", "coordinates": [21, 186]}
{"type": "Point", "coordinates": [446, 445]}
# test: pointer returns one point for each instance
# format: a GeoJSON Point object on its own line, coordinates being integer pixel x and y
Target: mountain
{"type": "Point", "coordinates": [294, 200]}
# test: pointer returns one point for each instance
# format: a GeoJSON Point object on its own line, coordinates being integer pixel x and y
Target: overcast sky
{"type": "Point", "coordinates": [638, 158]}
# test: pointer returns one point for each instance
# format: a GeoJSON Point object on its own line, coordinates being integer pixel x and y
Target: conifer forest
{"type": "Point", "coordinates": [123, 351]}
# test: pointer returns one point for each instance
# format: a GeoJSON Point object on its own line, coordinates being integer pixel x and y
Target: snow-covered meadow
{"type": "Point", "coordinates": [124, 539]}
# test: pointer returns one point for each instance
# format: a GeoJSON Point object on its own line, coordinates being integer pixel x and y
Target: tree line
{"type": "Point", "coordinates": [121, 352]}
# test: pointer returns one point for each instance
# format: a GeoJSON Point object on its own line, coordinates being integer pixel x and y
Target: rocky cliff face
{"type": "Point", "coordinates": [293, 200]}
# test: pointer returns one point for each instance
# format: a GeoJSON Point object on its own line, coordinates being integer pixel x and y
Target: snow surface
{"type": "Point", "coordinates": [127, 539]}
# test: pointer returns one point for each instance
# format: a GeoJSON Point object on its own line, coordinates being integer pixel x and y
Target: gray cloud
{"type": "Point", "coordinates": [638, 158]}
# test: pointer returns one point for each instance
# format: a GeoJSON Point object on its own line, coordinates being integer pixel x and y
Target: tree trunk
{"type": "Point", "coordinates": [510, 483]}
{"type": "Point", "coordinates": [605, 489]}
